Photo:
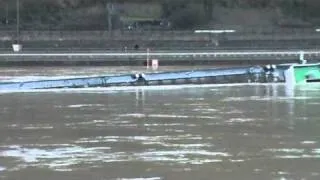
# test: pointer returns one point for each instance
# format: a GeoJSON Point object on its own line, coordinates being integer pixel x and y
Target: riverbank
{"type": "Point", "coordinates": [162, 40]}
{"type": "Point", "coordinates": [169, 57]}
{"type": "Point", "coordinates": [130, 48]}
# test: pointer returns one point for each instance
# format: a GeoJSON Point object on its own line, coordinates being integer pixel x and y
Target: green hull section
{"type": "Point", "coordinates": [308, 72]}
{"type": "Point", "coordinates": [300, 73]}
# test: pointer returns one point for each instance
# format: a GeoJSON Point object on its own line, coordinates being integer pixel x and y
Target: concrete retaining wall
{"type": "Point", "coordinates": [159, 35]}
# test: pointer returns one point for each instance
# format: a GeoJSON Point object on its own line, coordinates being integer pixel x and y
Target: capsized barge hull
{"type": "Point", "coordinates": [204, 76]}
{"type": "Point", "coordinates": [98, 81]}
{"type": "Point", "coordinates": [220, 75]}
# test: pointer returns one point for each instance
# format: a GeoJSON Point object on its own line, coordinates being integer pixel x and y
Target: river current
{"type": "Point", "coordinates": [239, 131]}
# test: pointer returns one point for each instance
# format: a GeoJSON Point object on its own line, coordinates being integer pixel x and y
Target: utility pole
{"type": "Point", "coordinates": [208, 8]}
{"type": "Point", "coordinates": [110, 10]}
{"type": "Point", "coordinates": [16, 44]}
{"type": "Point", "coordinates": [18, 21]}
{"type": "Point", "coordinates": [7, 13]}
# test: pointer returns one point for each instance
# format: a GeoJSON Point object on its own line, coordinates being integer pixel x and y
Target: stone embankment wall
{"type": "Point", "coordinates": [163, 40]}
{"type": "Point", "coordinates": [257, 34]}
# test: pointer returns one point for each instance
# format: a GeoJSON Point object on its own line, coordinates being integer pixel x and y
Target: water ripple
{"type": "Point", "coordinates": [144, 139]}
{"type": "Point", "coordinates": [152, 178]}
{"type": "Point", "coordinates": [264, 98]}
{"type": "Point", "coordinates": [295, 153]}
{"type": "Point", "coordinates": [85, 105]}
{"type": "Point", "coordinates": [140, 115]}
{"type": "Point", "coordinates": [63, 158]}
{"type": "Point", "coordinates": [240, 120]}
{"type": "Point", "coordinates": [2, 168]}
{"type": "Point", "coordinates": [31, 126]}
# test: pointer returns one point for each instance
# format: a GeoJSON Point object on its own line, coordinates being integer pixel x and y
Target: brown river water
{"type": "Point", "coordinates": [239, 131]}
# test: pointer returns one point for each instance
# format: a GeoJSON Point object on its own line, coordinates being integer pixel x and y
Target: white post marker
{"type": "Point", "coordinates": [16, 47]}
{"type": "Point", "coordinates": [302, 60]}
{"type": "Point", "coordinates": [155, 64]}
